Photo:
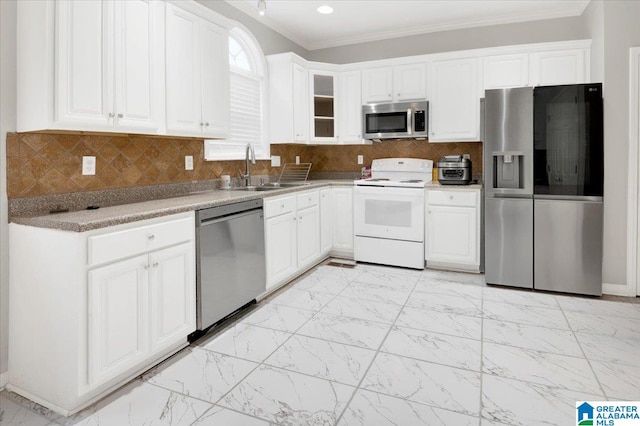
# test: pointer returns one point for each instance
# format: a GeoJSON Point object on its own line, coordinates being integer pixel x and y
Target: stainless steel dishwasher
{"type": "Point", "coordinates": [230, 259]}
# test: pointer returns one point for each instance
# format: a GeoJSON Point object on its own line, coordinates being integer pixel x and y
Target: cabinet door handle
{"type": "Point", "coordinates": [398, 94]}
{"type": "Point", "coordinates": [111, 115]}
{"type": "Point", "coordinates": [155, 265]}
{"type": "Point", "coordinates": [120, 116]}
{"type": "Point", "coordinates": [206, 124]}
{"type": "Point", "coordinates": [201, 124]}
{"type": "Point", "coordinates": [146, 266]}
{"type": "Point", "coordinates": [151, 237]}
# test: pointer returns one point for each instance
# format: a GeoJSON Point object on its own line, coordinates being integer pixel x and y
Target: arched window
{"type": "Point", "coordinates": [247, 78]}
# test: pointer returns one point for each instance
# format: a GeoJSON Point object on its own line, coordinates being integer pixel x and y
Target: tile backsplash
{"type": "Point", "coordinates": [47, 163]}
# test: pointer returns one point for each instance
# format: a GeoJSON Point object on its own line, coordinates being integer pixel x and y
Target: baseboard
{"type": "Point", "coordinates": [4, 378]}
{"type": "Point", "coordinates": [618, 290]}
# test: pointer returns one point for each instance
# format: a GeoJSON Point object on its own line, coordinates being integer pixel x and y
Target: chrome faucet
{"type": "Point", "coordinates": [250, 155]}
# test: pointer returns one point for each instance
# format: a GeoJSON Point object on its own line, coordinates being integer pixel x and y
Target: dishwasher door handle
{"type": "Point", "coordinates": [214, 220]}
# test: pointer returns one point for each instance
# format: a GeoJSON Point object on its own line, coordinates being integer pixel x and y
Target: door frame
{"type": "Point", "coordinates": [633, 208]}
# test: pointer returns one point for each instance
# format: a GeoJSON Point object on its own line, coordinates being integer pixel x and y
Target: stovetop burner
{"type": "Point", "coordinates": [399, 172]}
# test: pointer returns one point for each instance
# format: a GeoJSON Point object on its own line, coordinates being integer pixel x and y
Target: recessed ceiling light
{"type": "Point", "coordinates": [325, 9]}
{"type": "Point", "coordinates": [262, 7]}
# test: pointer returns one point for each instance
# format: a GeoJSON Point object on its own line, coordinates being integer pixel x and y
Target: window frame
{"type": "Point", "coordinates": [225, 149]}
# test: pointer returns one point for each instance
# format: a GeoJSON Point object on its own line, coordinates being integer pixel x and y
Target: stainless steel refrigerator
{"type": "Point", "coordinates": [543, 175]}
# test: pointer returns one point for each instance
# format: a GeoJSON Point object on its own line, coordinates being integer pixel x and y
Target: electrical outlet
{"type": "Point", "coordinates": [88, 165]}
{"type": "Point", "coordinates": [360, 159]}
{"type": "Point", "coordinates": [297, 159]}
{"type": "Point", "coordinates": [188, 162]}
{"type": "Point", "coordinates": [275, 161]}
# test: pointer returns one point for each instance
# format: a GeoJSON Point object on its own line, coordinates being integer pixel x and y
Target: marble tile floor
{"type": "Point", "coordinates": [373, 345]}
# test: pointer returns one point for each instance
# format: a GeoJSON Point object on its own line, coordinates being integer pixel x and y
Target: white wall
{"type": "Point", "coordinates": [593, 17]}
{"type": "Point", "coordinates": [621, 31]}
{"type": "Point", "coordinates": [270, 41]}
{"type": "Point", "coordinates": [446, 41]}
{"type": "Point", "coordinates": [7, 124]}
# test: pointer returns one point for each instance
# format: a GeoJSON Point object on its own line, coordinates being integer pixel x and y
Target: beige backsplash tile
{"type": "Point", "coordinates": [48, 163]}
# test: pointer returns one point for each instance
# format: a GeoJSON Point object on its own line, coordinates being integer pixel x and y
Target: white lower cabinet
{"type": "Point", "coordinates": [281, 250]}
{"type": "Point", "coordinates": [106, 305]}
{"type": "Point", "coordinates": [118, 318]}
{"type": "Point", "coordinates": [452, 227]}
{"type": "Point", "coordinates": [171, 295]}
{"type": "Point", "coordinates": [342, 221]}
{"type": "Point", "coordinates": [325, 221]}
{"type": "Point", "coordinates": [292, 235]}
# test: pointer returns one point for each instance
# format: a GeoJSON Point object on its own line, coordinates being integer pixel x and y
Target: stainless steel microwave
{"type": "Point", "coordinates": [395, 120]}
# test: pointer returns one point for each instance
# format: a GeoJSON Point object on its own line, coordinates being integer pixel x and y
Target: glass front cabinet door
{"type": "Point", "coordinates": [323, 107]}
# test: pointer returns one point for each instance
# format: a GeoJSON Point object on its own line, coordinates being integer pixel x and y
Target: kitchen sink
{"type": "Point", "coordinates": [256, 188]}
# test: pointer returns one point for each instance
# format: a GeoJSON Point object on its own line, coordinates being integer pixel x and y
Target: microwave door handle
{"type": "Point", "coordinates": [409, 122]}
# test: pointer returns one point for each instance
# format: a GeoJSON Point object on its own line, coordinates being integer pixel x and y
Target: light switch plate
{"type": "Point", "coordinates": [275, 161]}
{"type": "Point", "coordinates": [188, 162]}
{"type": "Point", "coordinates": [297, 159]}
{"type": "Point", "coordinates": [88, 165]}
{"type": "Point", "coordinates": [360, 159]}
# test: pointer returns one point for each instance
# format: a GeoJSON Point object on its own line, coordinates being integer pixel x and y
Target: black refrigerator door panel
{"type": "Point", "coordinates": [568, 140]}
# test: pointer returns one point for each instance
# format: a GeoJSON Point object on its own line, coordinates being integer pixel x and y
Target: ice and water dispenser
{"type": "Point", "coordinates": [508, 170]}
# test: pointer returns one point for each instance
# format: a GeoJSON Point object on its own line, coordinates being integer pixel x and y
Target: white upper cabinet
{"type": "Point", "coordinates": [323, 121]}
{"type": "Point", "coordinates": [503, 71]}
{"type": "Point", "coordinates": [215, 80]}
{"type": "Point", "coordinates": [454, 104]}
{"type": "Point", "coordinates": [559, 67]}
{"type": "Point", "coordinates": [377, 85]}
{"type": "Point", "coordinates": [300, 99]}
{"type": "Point", "coordinates": [409, 82]}
{"type": "Point", "coordinates": [197, 75]}
{"type": "Point", "coordinates": [90, 65]}
{"type": "Point", "coordinates": [83, 50]}
{"type": "Point", "coordinates": [398, 83]}
{"type": "Point", "coordinates": [288, 99]}
{"type": "Point", "coordinates": [350, 108]}
{"type": "Point", "coordinates": [138, 62]}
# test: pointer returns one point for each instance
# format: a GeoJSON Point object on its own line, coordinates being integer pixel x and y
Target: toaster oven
{"type": "Point", "coordinates": [454, 170]}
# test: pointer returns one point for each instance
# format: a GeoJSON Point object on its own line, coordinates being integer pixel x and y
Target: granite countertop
{"type": "Point", "coordinates": [82, 220]}
{"type": "Point", "coordinates": [437, 185]}
{"type": "Point", "coordinates": [86, 220]}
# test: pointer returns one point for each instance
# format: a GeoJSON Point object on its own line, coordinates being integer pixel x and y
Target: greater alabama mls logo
{"type": "Point", "coordinates": [608, 413]}
{"type": "Point", "coordinates": [585, 414]}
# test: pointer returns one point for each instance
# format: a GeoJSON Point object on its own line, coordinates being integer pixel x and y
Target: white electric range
{"type": "Point", "coordinates": [389, 212]}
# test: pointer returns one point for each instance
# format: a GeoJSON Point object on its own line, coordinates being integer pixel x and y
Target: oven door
{"type": "Point", "coordinates": [391, 213]}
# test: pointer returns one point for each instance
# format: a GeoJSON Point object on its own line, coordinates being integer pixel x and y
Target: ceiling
{"type": "Point", "coordinates": [361, 21]}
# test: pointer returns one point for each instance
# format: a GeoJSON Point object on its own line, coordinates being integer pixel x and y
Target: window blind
{"type": "Point", "coordinates": [245, 124]}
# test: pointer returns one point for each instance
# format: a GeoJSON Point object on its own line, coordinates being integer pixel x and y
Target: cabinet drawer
{"type": "Point", "coordinates": [118, 245]}
{"type": "Point", "coordinates": [307, 199]}
{"type": "Point", "coordinates": [452, 198]}
{"type": "Point", "coordinates": [277, 206]}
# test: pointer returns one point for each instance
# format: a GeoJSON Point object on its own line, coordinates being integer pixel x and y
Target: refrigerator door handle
{"type": "Point", "coordinates": [513, 195]}
{"type": "Point", "coordinates": [568, 198]}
